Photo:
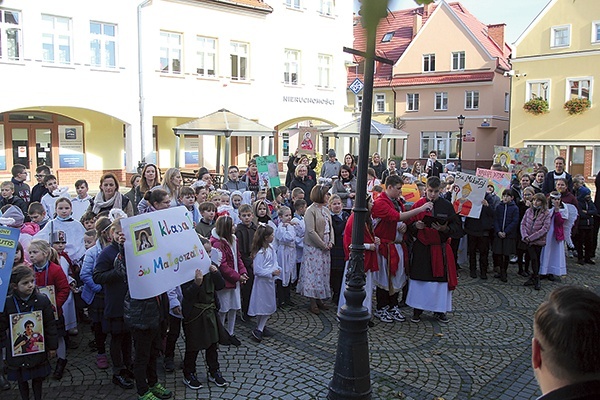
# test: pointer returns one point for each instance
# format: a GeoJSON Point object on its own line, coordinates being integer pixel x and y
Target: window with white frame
{"type": "Point", "coordinates": [326, 7]}
{"type": "Point", "coordinates": [171, 52]}
{"type": "Point", "coordinates": [579, 88]}
{"type": "Point", "coordinates": [538, 89]}
{"type": "Point", "coordinates": [445, 143]}
{"type": "Point", "coordinates": [206, 54]}
{"type": "Point", "coordinates": [10, 35]}
{"type": "Point", "coordinates": [471, 100]}
{"type": "Point", "coordinates": [441, 101]}
{"type": "Point", "coordinates": [458, 60]}
{"type": "Point", "coordinates": [324, 70]}
{"type": "Point", "coordinates": [293, 3]}
{"type": "Point", "coordinates": [103, 45]}
{"type": "Point", "coordinates": [379, 102]}
{"type": "Point", "coordinates": [506, 102]}
{"type": "Point", "coordinates": [428, 62]}
{"type": "Point", "coordinates": [56, 39]}
{"type": "Point", "coordinates": [412, 102]}
{"type": "Point", "coordinates": [291, 67]}
{"type": "Point", "coordinates": [596, 32]}
{"type": "Point", "coordinates": [359, 103]}
{"type": "Point", "coordinates": [239, 61]}
{"type": "Point", "coordinates": [596, 156]}
{"type": "Point", "coordinates": [561, 36]}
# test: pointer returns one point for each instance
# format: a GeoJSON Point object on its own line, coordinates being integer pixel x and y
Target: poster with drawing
{"type": "Point", "coordinates": [9, 239]}
{"type": "Point", "coordinates": [306, 140]}
{"type": "Point", "coordinates": [524, 160]}
{"type": "Point", "coordinates": [27, 333]}
{"type": "Point", "coordinates": [498, 179]}
{"type": "Point", "coordinates": [268, 171]}
{"type": "Point", "coordinates": [467, 194]}
{"type": "Point", "coordinates": [51, 294]}
{"type": "Point", "coordinates": [162, 251]}
{"type": "Point", "coordinates": [505, 157]}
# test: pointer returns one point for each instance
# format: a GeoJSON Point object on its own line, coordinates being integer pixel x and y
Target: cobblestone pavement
{"type": "Point", "coordinates": [483, 353]}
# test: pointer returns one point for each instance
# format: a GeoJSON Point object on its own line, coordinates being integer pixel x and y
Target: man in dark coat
{"type": "Point", "coordinates": [559, 172]}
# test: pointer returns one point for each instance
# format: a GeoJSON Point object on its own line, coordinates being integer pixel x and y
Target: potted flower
{"type": "Point", "coordinates": [536, 105]}
{"type": "Point", "coordinates": [577, 106]}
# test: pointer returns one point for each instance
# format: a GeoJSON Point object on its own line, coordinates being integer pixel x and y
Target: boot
{"type": "Point", "coordinates": [504, 273]}
{"type": "Point", "coordinates": [483, 273]}
{"type": "Point", "coordinates": [473, 271]}
{"type": "Point", "coordinates": [61, 363]}
{"type": "Point", "coordinates": [536, 283]}
{"type": "Point", "coordinates": [322, 305]}
{"type": "Point", "coordinates": [4, 383]}
{"type": "Point", "coordinates": [313, 307]}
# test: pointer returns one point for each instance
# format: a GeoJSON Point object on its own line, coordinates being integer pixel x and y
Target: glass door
{"type": "Point", "coordinates": [31, 146]}
{"type": "Point", "coordinates": [43, 147]}
{"type": "Point", "coordinates": [20, 147]}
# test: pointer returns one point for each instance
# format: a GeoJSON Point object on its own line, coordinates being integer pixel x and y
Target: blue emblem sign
{"type": "Point", "coordinates": [356, 86]}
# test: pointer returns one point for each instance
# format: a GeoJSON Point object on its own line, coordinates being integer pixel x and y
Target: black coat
{"type": "Point", "coordinates": [305, 184]}
{"type": "Point", "coordinates": [290, 175]}
{"type": "Point", "coordinates": [199, 312]}
{"type": "Point", "coordinates": [146, 314]}
{"type": "Point", "coordinates": [113, 280]}
{"type": "Point", "coordinates": [337, 251]}
{"type": "Point", "coordinates": [245, 235]}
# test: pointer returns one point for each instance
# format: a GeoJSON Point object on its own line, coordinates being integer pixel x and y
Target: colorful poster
{"type": "Point", "coordinates": [268, 171]}
{"type": "Point", "coordinates": [525, 160]}
{"type": "Point", "coordinates": [162, 251]}
{"type": "Point", "coordinates": [9, 238]}
{"type": "Point", "coordinates": [306, 140]}
{"type": "Point", "coordinates": [498, 179]}
{"type": "Point", "coordinates": [51, 294]}
{"type": "Point", "coordinates": [70, 146]}
{"type": "Point", "coordinates": [468, 193]}
{"type": "Point", "coordinates": [410, 192]}
{"type": "Point", "coordinates": [505, 156]}
{"type": "Point", "coordinates": [27, 333]}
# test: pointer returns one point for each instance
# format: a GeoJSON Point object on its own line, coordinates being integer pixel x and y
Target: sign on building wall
{"type": "Point", "coordinates": [70, 146]}
{"type": "Point", "coordinates": [2, 150]}
{"type": "Point", "coordinates": [191, 145]}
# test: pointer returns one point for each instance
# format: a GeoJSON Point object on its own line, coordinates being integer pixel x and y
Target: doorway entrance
{"type": "Point", "coordinates": [576, 160]}
{"type": "Point", "coordinates": [31, 145]}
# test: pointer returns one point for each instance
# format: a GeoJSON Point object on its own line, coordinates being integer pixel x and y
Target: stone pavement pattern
{"type": "Point", "coordinates": [483, 353]}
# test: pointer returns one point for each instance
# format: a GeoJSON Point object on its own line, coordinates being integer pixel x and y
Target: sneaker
{"type": "Point", "coordinates": [192, 381]}
{"type": "Point", "coordinates": [396, 314]}
{"type": "Point", "coordinates": [257, 335]}
{"type": "Point", "coordinates": [441, 317]}
{"type": "Point", "coordinates": [148, 396]}
{"type": "Point", "coordinates": [102, 361]}
{"type": "Point", "coordinates": [514, 259]}
{"type": "Point", "coordinates": [383, 315]}
{"type": "Point", "coordinates": [235, 341]}
{"type": "Point", "coordinates": [590, 261]}
{"type": "Point", "coordinates": [415, 319]}
{"type": "Point", "coordinates": [169, 364]}
{"type": "Point", "coordinates": [267, 332]}
{"type": "Point", "coordinates": [161, 392]}
{"type": "Point", "coordinates": [217, 379]}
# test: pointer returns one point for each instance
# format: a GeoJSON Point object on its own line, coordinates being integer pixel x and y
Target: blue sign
{"type": "Point", "coordinates": [9, 238]}
{"type": "Point", "coordinates": [191, 157]}
{"type": "Point", "coordinates": [71, 161]}
{"type": "Point", "coordinates": [356, 86]}
{"type": "Point", "coordinates": [2, 162]}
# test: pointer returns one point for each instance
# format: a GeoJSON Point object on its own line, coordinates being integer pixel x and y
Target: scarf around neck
{"type": "Point", "coordinates": [114, 202]}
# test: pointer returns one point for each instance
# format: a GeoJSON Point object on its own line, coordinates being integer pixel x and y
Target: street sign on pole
{"type": "Point", "coordinates": [356, 86]}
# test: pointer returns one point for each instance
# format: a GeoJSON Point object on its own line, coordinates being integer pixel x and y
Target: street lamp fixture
{"type": "Point", "coordinates": [461, 124]}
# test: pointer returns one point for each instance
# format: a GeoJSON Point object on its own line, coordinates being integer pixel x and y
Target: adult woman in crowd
{"type": "Point", "coordinates": [172, 185]}
{"type": "Point", "coordinates": [251, 177]}
{"type": "Point", "coordinates": [377, 165]}
{"type": "Point", "coordinates": [296, 160]}
{"type": "Point", "coordinates": [345, 187]}
{"type": "Point", "coordinates": [204, 175]}
{"type": "Point", "coordinates": [134, 195]}
{"type": "Point", "coordinates": [525, 181]}
{"type": "Point", "coordinates": [350, 162]}
{"type": "Point", "coordinates": [303, 180]}
{"type": "Point", "coordinates": [109, 197]}
{"type": "Point", "coordinates": [150, 178]}
{"type": "Point", "coordinates": [318, 240]}
{"type": "Point", "coordinates": [417, 169]}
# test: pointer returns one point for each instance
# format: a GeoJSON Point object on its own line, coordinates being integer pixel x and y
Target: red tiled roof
{"type": "Point", "coordinates": [258, 5]}
{"type": "Point", "coordinates": [401, 23]}
{"type": "Point", "coordinates": [427, 79]}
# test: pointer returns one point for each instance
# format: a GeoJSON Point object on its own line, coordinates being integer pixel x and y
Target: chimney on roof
{"type": "Point", "coordinates": [417, 23]}
{"type": "Point", "coordinates": [496, 32]}
{"type": "Point", "coordinates": [427, 9]}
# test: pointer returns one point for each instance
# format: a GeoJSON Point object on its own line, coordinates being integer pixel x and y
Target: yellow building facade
{"type": "Point", "coordinates": [556, 59]}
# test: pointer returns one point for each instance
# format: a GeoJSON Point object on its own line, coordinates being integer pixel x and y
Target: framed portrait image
{"type": "Point", "coordinates": [27, 333]}
{"type": "Point", "coordinates": [51, 294]}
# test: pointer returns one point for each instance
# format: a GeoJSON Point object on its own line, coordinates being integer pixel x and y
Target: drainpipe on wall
{"type": "Point", "coordinates": [394, 125]}
{"type": "Point", "coordinates": [141, 80]}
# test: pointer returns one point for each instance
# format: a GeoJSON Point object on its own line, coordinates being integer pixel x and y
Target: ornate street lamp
{"type": "Point", "coordinates": [461, 124]}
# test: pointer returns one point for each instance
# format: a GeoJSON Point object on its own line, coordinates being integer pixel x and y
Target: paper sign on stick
{"type": "Point", "coordinates": [162, 251]}
{"type": "Point", "coordinates": [498, 179]}
{"type": "Point", "coordinates": [467, 194]}
{"type": "Point", "coordinates": [268, 172]}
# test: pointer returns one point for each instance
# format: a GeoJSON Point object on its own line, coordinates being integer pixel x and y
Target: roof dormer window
{"type": "Point", "coordinates": [387, 37]}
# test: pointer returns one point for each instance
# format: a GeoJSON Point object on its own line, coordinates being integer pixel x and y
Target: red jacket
{"type": "Point", "coordinates": [370, 256]}
{"type": "Point", "coordinates": [54, 275]}
{"type": "Point", "coordinates": [227, 269]}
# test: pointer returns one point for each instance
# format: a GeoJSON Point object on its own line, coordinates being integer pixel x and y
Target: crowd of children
{"type": "Point", "coordinates": [256, 241]}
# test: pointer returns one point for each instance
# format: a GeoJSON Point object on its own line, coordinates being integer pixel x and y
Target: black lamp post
{"type": "Point", "coordinates": [352, 373]}
{"type": "Point", "coordinates": [461, 124]}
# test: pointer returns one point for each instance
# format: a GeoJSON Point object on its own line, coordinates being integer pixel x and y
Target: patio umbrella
{"type": "Point", "coordinates": [222, 122]}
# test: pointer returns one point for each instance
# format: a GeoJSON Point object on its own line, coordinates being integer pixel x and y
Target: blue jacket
{"type": "Point", "coordinates": [90, 288]}
{"type": "Point", "coordinates": [506, 219]}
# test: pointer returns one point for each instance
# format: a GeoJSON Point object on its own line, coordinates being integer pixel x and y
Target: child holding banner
{"type": "Point", "coordinates": [25, 298]}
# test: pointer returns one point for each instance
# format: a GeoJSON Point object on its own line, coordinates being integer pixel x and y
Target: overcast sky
{"type": "Point", "coordinates": [516, 14]}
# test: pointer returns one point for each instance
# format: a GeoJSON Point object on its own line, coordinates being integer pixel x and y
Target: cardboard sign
{"type": "Point", "coordinates": [306, 140]}
{"type": "Point", "coordinates": [27, 333]}
{"type": "Point", "coordinates": [162, 251]}
{"type": "Point", "coordinates": [498, 179]}
{"type": "Point", "coordinates": [515, 159]}
{"type": "Point", "coordinates": [410, 192]}
{"type": "Point", "coordinates": [51, 294]}
{"type": "Point", "coordinates": [9, 239]}
{"type": "Point", "coordinates": [467, 194]}
{"type": "Point", "coordinates": [268, 172]}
